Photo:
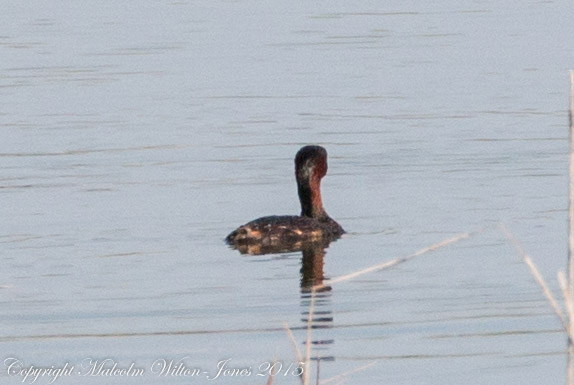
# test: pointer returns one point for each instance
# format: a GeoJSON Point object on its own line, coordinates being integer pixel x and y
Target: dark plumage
{"type": "Point", "coordinates": [288, 232]}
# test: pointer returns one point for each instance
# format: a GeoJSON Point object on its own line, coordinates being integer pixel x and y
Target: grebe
{"type": "Point", "coordinates": [290, 232]}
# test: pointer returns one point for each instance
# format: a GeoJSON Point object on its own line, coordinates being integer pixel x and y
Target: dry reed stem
{"type": "Point", "coordinates": [571, 190]}
{"type": "Point", "coordinates": [271, 377]}
{"type": "Point", "coordinates": [395, 261]}
{"type": "Point", "coordinates": [539, 279]}
{"type": "Point", "coordinates": [292, 338]}
{"type": "Point", "coordinates": [318, 369]}
{"type": "Point", "coordinates": [567, 297]}
{"type": "Point", "coordinates": [306, 377]}
{"type": "Point", "coordinates": [570, 309]}
{"type": "Point", "coordinates": [568, 289]}
{"type": "Point", "coordinates": [308, 341]}
{"type": "Point", "coordinates": [271, 374]}
{"type": "Point", "coordinates": [343, 375]}
{"type": "Point", "coordinates": [549, 296]}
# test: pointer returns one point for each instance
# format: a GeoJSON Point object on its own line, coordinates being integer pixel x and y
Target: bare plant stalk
{"type": "Point", "coordinates": [547, 293]}
{"type": "Point", "coordinates": [538, 277]}
{"type": "Point", "coordinates": [343, 375]}
{"type": "Point", "coordinates": [318, 370]}
{"type": "Point", "coordinates": [395, 261]}
{"type": "Point", "coordinates": [570, 309]}
{"type": "Point", "coordinates": [292, 338]}
{"type": "Point", "coordinates": [271, 376]}
{"type": "Point", "coordinates": [567, 298]}
{"type": "Point", "coordinates": [308, 341]}
{"type": "Point", "coordinates": [570, 288]}
{"type": "Point", "coordinates": [569, 374]}
{"type": "Point", "coordinates": [571, 190]}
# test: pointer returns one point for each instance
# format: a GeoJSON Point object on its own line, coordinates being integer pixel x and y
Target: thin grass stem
{"type": "Point", "coordinates": [393, 262]}
{"type": "Point", "coordinates": [293, 342]}
{"type": "Point", "coordinates": [348, 373]}
{"type": "Point", "coordinates": [539, 279]}
{"type": "Point", "coordinates": [571, 189]}
{"type": "Point", "coordinates": [308, 341]}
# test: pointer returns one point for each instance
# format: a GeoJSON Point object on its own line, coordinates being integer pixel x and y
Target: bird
{"type": "Point", "coordinates": [279, 233]}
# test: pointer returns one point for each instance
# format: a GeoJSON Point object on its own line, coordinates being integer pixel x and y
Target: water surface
{"type": "Point", "coordinates": [135, 137]}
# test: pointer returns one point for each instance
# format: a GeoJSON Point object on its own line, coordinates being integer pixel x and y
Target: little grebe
{"type": "Point", "coordinates": [286, 232]}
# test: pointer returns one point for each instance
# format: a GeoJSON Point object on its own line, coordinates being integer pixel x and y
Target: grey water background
{"type": "Point", "coordinates": [136, 135]}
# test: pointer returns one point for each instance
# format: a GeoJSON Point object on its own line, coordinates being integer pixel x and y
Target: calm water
{"type": "Point", "coordinates": [134, 137]}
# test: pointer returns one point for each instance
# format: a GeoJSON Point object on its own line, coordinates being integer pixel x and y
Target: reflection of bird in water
{"type": "Point", "coordinates": [316, 303]}
{"type": "Point", "coordinates": [312, 268]}
{"type": "Point", "coordinates": [311, 233]}
{"type": "Point", "coordinates": [275, 234]}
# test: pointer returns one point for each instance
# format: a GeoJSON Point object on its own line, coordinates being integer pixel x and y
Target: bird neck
{"type": "Point", "coordinates": [310, 198]}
